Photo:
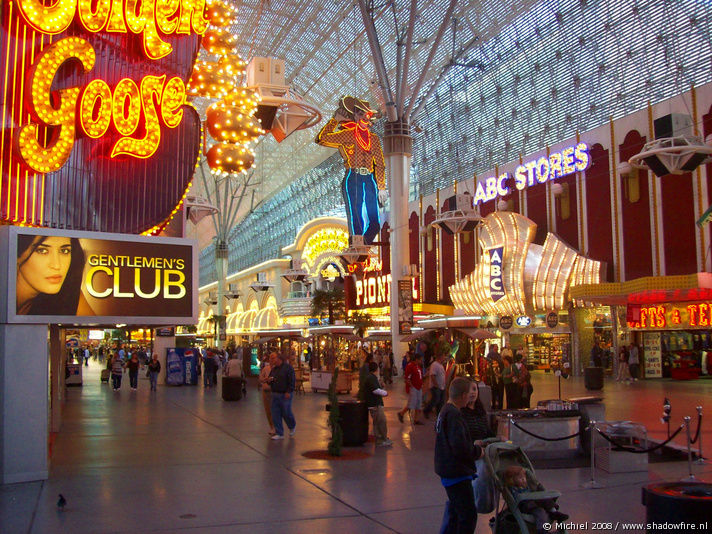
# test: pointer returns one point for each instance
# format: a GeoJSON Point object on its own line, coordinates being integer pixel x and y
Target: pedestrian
{"type": "Point", "coordinates": [511, 387]}
{"type": "Point", "coordinates": [623, 371]}
{"type": "Point", "coordinates": [208, 369]}
{"type": "Point", "coordinates": [266, 390]}
{"type": "Point", "coordinates": [493, 353]}
{"type": "Point", "coordinates": [524, 381]}
{"type": "Point", "coordinates": [413, 387]}
{"type": "Point", "coordinates": [217, 360]}
{"type": "Point", "coordinates": [506, 351]}
{"type": "Point", "coordinates": [133, 365]}
{"type": "Point", "coordinates": [282, 380]}
{"type": "Point", "coordinates": [437, 386]}
{"type": "Point", "coordinates": [478, 428]}
{"type": "Point", "coordinates": [117, 371]}
{"type": "Point", "coordinates": [633, 361]}
{"type": "Point", "coordinates": [363, 373]}
{"type": "Point", "coordinates": [596, 355]}
{"type": "Point", "coordinates": [87, 354]}
{"type": "Point", "coordinates": [494, 381]}
{"type": "Point", "coordinates": [154, 367]}
{"type": "Point", "coordinates": [455, 457]}
{"type": "Point", "coordinates": [233, 367]}
{"type": "Point", "coordinates": [373, 395]}
{"type": "Point", "coordinates": [388, 368]}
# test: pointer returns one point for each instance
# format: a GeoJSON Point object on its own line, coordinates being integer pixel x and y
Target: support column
{"type": "Point", "coordinates": [56, 377]}
{"type": "Point", "coordinates": [24, 405]}
{"type": "Point", "coordinates": [398, 151]}
{"type": "Point", "coordinates": [221, 252]}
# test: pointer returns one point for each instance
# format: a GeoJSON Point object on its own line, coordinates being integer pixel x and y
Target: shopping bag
{"type": "Point", "coordinates": [484, 489]}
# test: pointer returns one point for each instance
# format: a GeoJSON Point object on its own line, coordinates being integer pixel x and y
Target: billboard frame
{"type": "Point", "coordinates": [8, 279]}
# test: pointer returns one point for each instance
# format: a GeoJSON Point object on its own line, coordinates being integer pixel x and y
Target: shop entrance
{"type": "Point", "coordinates": [543, 350]}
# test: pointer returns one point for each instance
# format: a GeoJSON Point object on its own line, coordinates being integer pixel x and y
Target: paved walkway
{"type": "Point", "coordinates": [182, 459]}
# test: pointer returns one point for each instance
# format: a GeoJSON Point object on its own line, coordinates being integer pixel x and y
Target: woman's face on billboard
{"type": "Point", "coordinates": [46, 268]}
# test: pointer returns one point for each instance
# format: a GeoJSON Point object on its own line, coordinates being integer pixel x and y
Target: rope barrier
{"type": "Point", "coordinates": [697, 432]}
{"type": "Point", "coordinates": [619, 447]}
{"type": "Point", "coordinates": [579, 433]}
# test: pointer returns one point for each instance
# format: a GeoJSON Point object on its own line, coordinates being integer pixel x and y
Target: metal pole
{"type": "Point", "coordinates": [690, 477]}
{"type": "Point", "coordinates": [509, 422]}
{"type": "Point", "coordinates": [700, 457]}
{"type": "Point", "coordinates": [593, 484]}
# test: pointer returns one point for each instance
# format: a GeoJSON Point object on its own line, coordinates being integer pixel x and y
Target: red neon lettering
{"type": "Point", "coordinates": [661, 321]}
{"type": "Point", "coordinates": [704, 314]}
{"type": "Point", "coordinates": [693, 312]}
{"type": "Point", "coordinates": [676, 317]}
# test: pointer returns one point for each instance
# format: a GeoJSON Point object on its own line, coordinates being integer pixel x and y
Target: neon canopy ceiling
{"type": "Point", "coordinates": [534, 73]}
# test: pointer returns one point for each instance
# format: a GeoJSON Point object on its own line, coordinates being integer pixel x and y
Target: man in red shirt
{"type": "Point", "coordinates": [414, 389]}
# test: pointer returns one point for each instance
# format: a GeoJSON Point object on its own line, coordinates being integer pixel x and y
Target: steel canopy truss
{"type": "Point", "coordinates": [524, 76]}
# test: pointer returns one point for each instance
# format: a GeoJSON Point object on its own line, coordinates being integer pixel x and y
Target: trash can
{"type": "Point", "coordinates": [593, 378]}
{"type": "Point", "coordinates": [231, 388]}
{"type": "Point", "coordinates": [353, 416]}
{"type": "Point", "coordinates": [591, 409]}
{"type": "Point", "coordinates": [677, 502]}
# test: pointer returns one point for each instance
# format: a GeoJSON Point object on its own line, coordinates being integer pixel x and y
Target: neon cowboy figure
{"type": "Point", "coordinates": [364, 185]}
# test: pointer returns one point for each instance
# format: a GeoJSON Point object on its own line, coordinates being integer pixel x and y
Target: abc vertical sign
{"type": "Point", "coordinates": [495, 274]}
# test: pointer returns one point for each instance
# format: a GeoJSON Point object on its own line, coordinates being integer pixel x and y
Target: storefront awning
{"type": "Point", "coordinates": [647, 290]}
{"type": "Point", "coordinates": [416, 335]}
{"type": "Point", "coordinates": [450, 322]}
{"type": "Point", "coordinates": [477, 333]}
{"type": "Point", "coordinates": [334, 330]}
{"type": "Point", "coordinates": [262, 340]}
{"type": "Point", "coordinates": [379, 336]}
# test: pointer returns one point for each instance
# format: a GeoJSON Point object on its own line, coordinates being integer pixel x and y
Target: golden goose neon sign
{"type": "Point", "coordinates": [153, 101]}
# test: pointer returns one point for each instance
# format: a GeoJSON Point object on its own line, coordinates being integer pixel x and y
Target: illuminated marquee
{"type": "Point", "coordinates": [149, 280]}
{"type": "Point", "coordinates": [167, 274]}
{"type": "Point", "coordinates": [153, 101]}
{"type": "Point", "coordinates": [325, 241]}
{"type": "Point", "coordinates": [373, 290]}
{"type": "Point", "coordinates": [496, 287]}
{"type": "Point", "coordinates": [672, 316]}
{"type": "Point", "coordinates": [558, 164]}
{"type": "Point", "coordinates": [517, 277]}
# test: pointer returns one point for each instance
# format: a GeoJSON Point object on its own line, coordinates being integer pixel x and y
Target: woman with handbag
{"type": "Point", "coordinates": [266, 391]}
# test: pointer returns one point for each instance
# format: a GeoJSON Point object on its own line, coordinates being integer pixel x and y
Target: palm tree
{"type": "Point", "coordinates": [330, 302]}
{"type": "Point", "coordinates": [361, 322]}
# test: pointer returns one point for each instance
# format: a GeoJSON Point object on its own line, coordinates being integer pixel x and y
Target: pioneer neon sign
{"type": "Point", "coordinates": [373, 290]}
{"type": "Point", "coordinates": [134, 109]}
{"type": "Point", "coordinates": [571, 159]}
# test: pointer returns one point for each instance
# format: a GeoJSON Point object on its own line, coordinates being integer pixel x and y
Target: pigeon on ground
{"type": "Point", "coordinates": [61, 503]}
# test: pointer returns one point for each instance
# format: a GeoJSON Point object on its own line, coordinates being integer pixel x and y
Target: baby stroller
{"type": "Point", "coordinates": [511, 520]}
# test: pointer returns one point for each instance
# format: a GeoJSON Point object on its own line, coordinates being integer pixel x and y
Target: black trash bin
{"type": "Point", "coordinates": [678, 503]}
{"type": "Point", "coordinates": [231, 388]}
{"type": "Point", "coordinates": [354, 422]}
{"type": "Point", "coordinates": [593, 378]}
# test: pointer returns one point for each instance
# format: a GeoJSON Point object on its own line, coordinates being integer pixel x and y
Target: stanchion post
{"type": "Point", "coordinates": [510, 420]}
{"type": "Point", "coordinates": [690, 477]}
{"type": "Point", "coordinates": [593, 484]}
{"type": "Point", "coordinates": [700, 457]}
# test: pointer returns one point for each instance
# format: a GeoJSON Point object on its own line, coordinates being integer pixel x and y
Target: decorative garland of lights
{"type": "Point", "coordinates": [155, 230]}
{"type": "Point", "coordinates": [230, 121]}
